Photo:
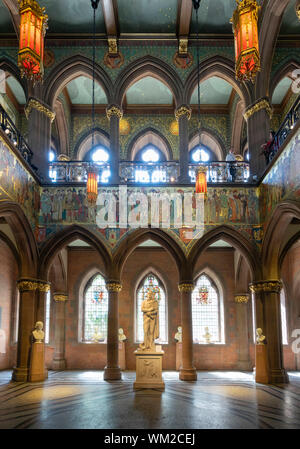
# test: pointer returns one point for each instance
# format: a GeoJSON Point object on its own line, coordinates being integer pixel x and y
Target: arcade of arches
{"type": "Point", "coordinates": [84, 280]}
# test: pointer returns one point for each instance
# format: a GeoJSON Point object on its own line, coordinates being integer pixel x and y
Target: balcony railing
{"type": "Point", "coordinates": [222, 172]}
{"type": "Point", "coordinates": [151, 173]}
{"type": "Point", "coordinates": [9, 128]}
{"type": "Point", "coordinates": [285, 129]}
{"type": "Point", "coordinates": [76, 171]}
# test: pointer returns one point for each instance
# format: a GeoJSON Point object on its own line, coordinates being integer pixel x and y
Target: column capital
{"type": "Point", "coordinates": [241, 298]}
{"type": "Point", "coordinates": [186, 286]}
{"type": "Point", "coordinates": [113, 286]}
{"type": "Point", "coordinates": [60, 297]}
{"type": "Point", "coordinates": [263, 103]}
{"type": "Point", "coordinates": [30, 284]}
{"type": "Point", "coordinates": [112, 110]}
{"type": "Point", "coordinates": [267, 286]}
{"type": "Point", "coordinates": [183, 110]}
{"type": "Point", "coordinates": [34, 103]}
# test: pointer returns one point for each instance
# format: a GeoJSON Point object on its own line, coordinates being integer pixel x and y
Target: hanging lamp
{"type": "Point", "coordinates": [201, 181]}
{"type": "Point", "coordinates": [245, 29]}
{"type": "Point", "coordinates": [33, 26]}
{"type": "Point", "coordinates": [92, 169]}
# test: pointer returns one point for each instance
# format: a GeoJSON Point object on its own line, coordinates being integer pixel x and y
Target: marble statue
{"type": "Point", "coordinates": [122, 336]}
{"type": "Point", "coordinates": [207, 335]}
{"type": "Point", "coordinates": [260, 338]}
{"type": "Point", "coordinates": [178, 335]}
{"type": "Point", "coordinates": [38, 333]}
{"type": "Point", "coordinates": [151, 321]}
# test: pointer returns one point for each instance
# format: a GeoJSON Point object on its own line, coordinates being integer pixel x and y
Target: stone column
{"type": "Point", "coordinates": [270, 290]}
{"type": "Point", "coordinates": [59, 362]}
{"type": "Point", "coordinates": [112, 370]}
{"type": "Point", "coordinates": [258, 131]}
{"type": "Point", "coordinates": [27, 318]}
{"type": "Point", "coordinates": [183, 115]}
{"type": "Point", "coordinates": [40, 116]}
{"type": "Point", "coordinates": [42, 290]}
{"type": "Point", "coordinates": [187, 370]}
{"type": "Point", "coordinates": [114, 113]}
{"type": "Point", "coordinates": [241, 301]}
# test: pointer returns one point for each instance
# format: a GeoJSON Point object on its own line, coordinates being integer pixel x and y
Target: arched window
{"type": "Point", "coordinates": [200, 154]}
{"type": "Point", "coordinates": [163, 323]}
{"type": "Point", "coordinates": [47, 318]}
{"type": "Point", "coordinates": [150, 155]}
{"type": "Point", "coordinates": [284, 330]}
{"type": "Point", "coordinates": [100, 155]}
{"type": "Point", "coordinates": [207, 312]}
{"type": "Point", "coordinates": [95, 310]}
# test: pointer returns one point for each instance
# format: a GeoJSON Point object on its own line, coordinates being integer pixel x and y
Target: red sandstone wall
{"type": "Point", "coordinates": [8, 278]}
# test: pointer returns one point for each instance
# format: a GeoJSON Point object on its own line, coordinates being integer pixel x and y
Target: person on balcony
{"type": "Point", "coordinates": [231, 159]}
{"type": "Point", "coordinates": [267, 147]}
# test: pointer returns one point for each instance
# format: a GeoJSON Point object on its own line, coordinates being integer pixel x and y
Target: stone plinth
{"type": "Point", "coordinates": [178, 355]}
{"type": "Point", "coordinates": [122, 359]}
{"type": "Point", "coordinates": [149, 370]}
{"type": "Point", "coordinates": [261, 368]}
{"type": "Point", "coordinates": [37, 371]}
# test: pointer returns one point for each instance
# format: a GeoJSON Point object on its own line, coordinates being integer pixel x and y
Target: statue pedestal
{"type": "Point", "coordinates": [122, 359]}
{"type": "Point", "coordinates": [37, 370]}
{"type": "Point", "coordinates": [149, 370]}
{"type": "Point", "coordinates": [261, 361]}
{"type": "Point", "coordinates": [178, 355]}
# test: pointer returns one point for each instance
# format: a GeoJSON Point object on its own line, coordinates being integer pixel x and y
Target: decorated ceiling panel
{"type": "Point", "coordinates": [144, 16]}
{"type": "Point", "coordinates": [214, 17]}
{"type": "Point", "coordinates": [290, 23]}
{"type": "Point", "coordinates": [214, 90]}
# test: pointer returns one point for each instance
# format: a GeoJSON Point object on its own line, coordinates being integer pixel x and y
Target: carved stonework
{"type": "Point", "coordinates": [183, 46]}
{"type": "Point", "coordinates": [113, 61]}
{"type": "Point", "coordinates": [114, 286]}
{"type": "Point", "coordinates": [262, 104]}
{"type": "Point", "coordinates": [60, 297]}
{"type": "Point", "coordinates": [35, 104]}
{"type": "Point", "coordinates": [32, 285]}
{"type": "Point", "coordinates": [186, 287]}
{"type": "Point", "coordinates": [297, 9]}
{"type": "Point", "coordinates": [270, 286]}
{"type": "Point", "coordinates": [112, 46]}
{"type": "Point", "coordinates": [241, 299]}
{"type": "Point", "coordinates": [183, 110]}
{"type": "Point", "coordinates": [114, 110]}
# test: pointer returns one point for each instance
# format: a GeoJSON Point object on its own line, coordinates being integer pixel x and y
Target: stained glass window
{"type": "Point", "coordinates": [47, 318]}
{"type": "Point", "coordinates": [206, 314]}
{"type": "Point", "coordinates": [284, 331]}
{"type": "Point", "coordinates": [95, 310]}
{"type": "Point", "coordinates": [163, 326]}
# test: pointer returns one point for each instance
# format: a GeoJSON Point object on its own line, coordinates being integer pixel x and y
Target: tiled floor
{"type": "Point", "coordinates": [82, 400]}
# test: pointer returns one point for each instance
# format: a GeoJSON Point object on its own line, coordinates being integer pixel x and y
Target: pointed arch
{"type": "Point", "coordinates": [274, 235]}
{"type": "Point", "coordinates": [284, 71]}
{"type": "Point", "coordinates": [209, 138]}
{"type": "Point", "coordinates": [134, 239]}
{"type": "Point", "coordinates": [8, 66]}
{"type": "Point", "coordinates": [233, 237]}
{"type": "Point", "coordinates": [84, 144]}
{"type": "Point", "coordinates": [148, 66]}
{"type": "Point", "coordinates": [69, 69]}
{"type": "Point", "coordinates": [149, 136]}
{"type": "Point", "coordinates": [22, 231]}
{"type": "Point", "coordinates": [58, 241]}
{"type": "Point", "coordinates": [216, 66]}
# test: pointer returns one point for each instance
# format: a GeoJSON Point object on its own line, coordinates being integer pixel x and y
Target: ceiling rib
{"type": "Point", "coordinates": [13, 8]}
{"type": "Point", "coordinates": [110, 13]}
{"type": "Point", "coordinates": [184, 16]}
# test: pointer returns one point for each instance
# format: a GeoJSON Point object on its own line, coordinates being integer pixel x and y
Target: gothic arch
{"type": "Point", "coordinates": [148, 136]}
{"type": "Point", "coordinates": [12, 248]}
{"type": "Point", "coordinates": [148, 66]}
{"type": "Point", "coordinates": [281, 73]}
{"type": "Point", "coordinates": [8, 66]}
{"type": "Point", "coordinates": [275, 231]}
{"type": "Point", "coordinates": [211, 139]}
{"type": "Point", "coordinates": [62, 127]}
{"type": "Point", "coordinates": [58, 241]}
{"type": "Point", "coordinates": [84, 144]}
{"type": "Point", "coordinates": [235, 238]}
{"type": "Point", "coordinates": [237, 127]}
{"type": "Point", "coordinates": [295, 238]}
{"type": "Point", "coordinates": [69, 69]}
{"type": "Point", "coordinates": [26, 243]}
{"type": "Point", "coordinates": [134, 239]}
{"type": "Point", "coordinates": [216, 66]}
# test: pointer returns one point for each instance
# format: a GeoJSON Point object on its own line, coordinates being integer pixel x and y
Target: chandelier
{"type": "Point", "coordinates": [33, 26]}
{"type": "Point", "coordinates": [244, 24]}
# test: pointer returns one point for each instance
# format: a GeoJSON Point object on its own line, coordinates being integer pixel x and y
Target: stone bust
{"type": "Point", "coordinates": [122, 336]}
{"type": "Point", "coordinates": [38, 333]}
{"type": "Point", "coordinates": [207, 335]}
{"type": "Point", "coordinates": [260, 338]}
{"type": "Point", "coordinates": [178, 335]}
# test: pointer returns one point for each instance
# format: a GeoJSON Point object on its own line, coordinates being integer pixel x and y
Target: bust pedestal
{"type": "Point", "coordinates": [178, 355]}
{"type": "Point", "coordinates": [37, 371]}
{"type": "Point", "coordinates": [149, 370]}
{"type": "Point", "coordinates": [122, 359]}
{"type": "Point", "coordinates": [261, 368]}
